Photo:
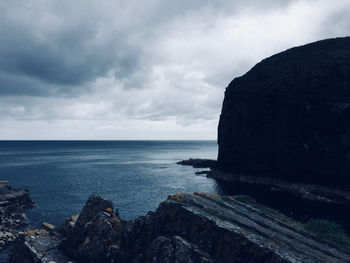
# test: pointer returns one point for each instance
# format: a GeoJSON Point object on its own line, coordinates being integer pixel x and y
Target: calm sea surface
{"type": "Point", "coordinates": [135, 175]}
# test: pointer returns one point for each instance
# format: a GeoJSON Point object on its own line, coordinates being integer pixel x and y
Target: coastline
{"type": "Point", "coordinates": [13, 201]}
{"type": "Point", "coordinates": [197, 227]}
{"type": "Point", "coordinates": [302, 201]}
{"type": "Point", "coordinates": [166, 235]}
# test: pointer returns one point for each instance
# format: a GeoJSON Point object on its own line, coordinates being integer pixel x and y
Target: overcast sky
{"type": "Point", "coordinates": [127, 69]}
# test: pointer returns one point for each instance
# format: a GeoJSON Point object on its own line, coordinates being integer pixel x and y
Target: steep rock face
{"type": "Point", "coordinates": [289, 116]}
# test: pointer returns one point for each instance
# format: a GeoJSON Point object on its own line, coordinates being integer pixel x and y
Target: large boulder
{"type": "Point", "coordinates": [91, 237]}
{"type": "Point", "coordinates": [289, 117]}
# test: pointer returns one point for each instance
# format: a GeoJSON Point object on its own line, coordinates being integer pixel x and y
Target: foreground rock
{"type": "Point", "coordinates": [288, 117]}
{"type": "Point", "coordinates": [38, 246]}
{"type": "Point", "coordinates": [185, 228]}
{"type": "Point", "coordinates": [12, 203]}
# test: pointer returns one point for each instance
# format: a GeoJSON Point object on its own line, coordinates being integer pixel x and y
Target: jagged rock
{"type": "Point", "coordinates": [176, 249]}
{"type": "Point", "coordinates": [198, 163]}
{"type": "Point", "coordinates": [93, 242]}
{"type": "Point", "coordinates": [94, 232]}
{"type": "Point", "coordinates": [289, 117]}
{"type": "Point", "coordinates": [230, 231]}
{"type": "Point", "coordinates": [185, 228]}
{"type": "Point", "coordinates": [12, 198]}
{"type": "Point", "coordinates": [37, 246]}
{"type": "Point", "coordinates": [12, 202]}
{"type": "Point", "coordinates": [90, 240]}
{"type": "Point", "coordinates": [94, 205]}
{"type": "Point", "coordinates": [48, 227]}
{"type": "Point", "coordinates": [66, 228]}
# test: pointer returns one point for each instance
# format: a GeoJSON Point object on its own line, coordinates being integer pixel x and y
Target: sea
{"type": "Point", "coordinates": [135, 175]}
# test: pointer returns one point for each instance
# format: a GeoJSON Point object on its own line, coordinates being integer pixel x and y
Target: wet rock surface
{"type": "Point", "coordinates": [12, 203]}
{"type": "Point", "coordinates": [185, 228]}
{"type": "Point", "coordinates": [288, 117]}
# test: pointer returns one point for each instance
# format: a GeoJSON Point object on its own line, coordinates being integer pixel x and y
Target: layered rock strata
{"type": "Point", "coordinates": [185, 228]}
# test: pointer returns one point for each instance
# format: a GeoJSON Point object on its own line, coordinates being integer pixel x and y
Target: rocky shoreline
{"type": "Point", "coordinates": [12, 203]}
{"type": "Point", "coordinates": [321, 201]}
{"type": "Point", "coordinates": [198, 163]}
{"type": "Point", "coordinates": [312, 192]}
{"type": "Point", "coordinates": [196, 227]}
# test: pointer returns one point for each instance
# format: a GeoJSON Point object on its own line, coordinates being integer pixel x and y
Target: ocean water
{"type": "Point", "coordinates": [135, 175]}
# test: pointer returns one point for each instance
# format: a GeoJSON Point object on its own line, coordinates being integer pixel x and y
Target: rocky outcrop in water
{"type": "Point", "coordinates": [12, 203]}
{"type": "Point", "coordinates": [289, 117]}
{"type": "Point", "coordinates": [198, 163]}
{"type": "Point", "coordinates": [185, 228]}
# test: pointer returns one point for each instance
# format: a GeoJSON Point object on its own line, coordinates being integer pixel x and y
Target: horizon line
{"type": "Point", "coordinates": [23, 140]}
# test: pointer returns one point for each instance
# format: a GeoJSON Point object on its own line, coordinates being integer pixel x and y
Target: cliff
{"type": "Point", "coordinates": [185, 228]}
{"type": "Point", "coordinates": [289, 117]}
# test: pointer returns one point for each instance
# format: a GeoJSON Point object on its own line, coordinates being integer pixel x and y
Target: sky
{"type": "Point", "coordinates": [140, 70]}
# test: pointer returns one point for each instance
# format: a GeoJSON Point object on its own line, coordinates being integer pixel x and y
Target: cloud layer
{"type": "Point", "coordinates": [140, 70]}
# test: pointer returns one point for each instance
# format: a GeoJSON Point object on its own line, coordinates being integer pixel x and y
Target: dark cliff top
{"type": "Point", "coordinates": [320, 69]}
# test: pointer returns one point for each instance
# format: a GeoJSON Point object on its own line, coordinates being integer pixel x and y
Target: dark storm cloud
{"type": "Point", "coordinates": [13, 84]}
{"type": "Point", "coordinates": [59, 50]}
{"type": "Point", "coordinates": [60, 46]}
